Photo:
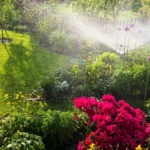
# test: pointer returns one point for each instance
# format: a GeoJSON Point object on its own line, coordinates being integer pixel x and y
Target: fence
{"type": "Point", "coordinates": [66, 20]}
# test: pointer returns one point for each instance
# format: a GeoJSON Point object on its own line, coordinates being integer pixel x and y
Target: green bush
{"type": "Point", "coordinates": [92, 76]}
{"type": "Point", "coordinates": [56, 129]}
{"type": "Point", "coordinates": [23, 141]}
{"type": "Point", "coordinates": [20, 28]}
{"type": "Point", "coordinates": [107, 73]}
{"type": "Point", "coordinates": [11, 17]}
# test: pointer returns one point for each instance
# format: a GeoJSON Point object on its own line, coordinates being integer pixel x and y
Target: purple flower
{"type": "Point", "coordinates": [140, 31]}
{"type": "Point", "coordinates": [132, 25]}
{"type": "Point", "coordinates": [126, 28]}
{"type": "Point", "coordinates": [148, 58]}
{"type": "Point", "coordinates": [141, 11]}
{"type": "Point", "coordinates": [121, 45]}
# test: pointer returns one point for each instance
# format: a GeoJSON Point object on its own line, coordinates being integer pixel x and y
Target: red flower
{"type": "Point", "coordinates": [115, 123]}
{"type": "Point", "coordinates": [81, 146]}
{"type": "Point", "coordinates": [108, 98]}
{"type": "Point", "coordinates": [111, 129]}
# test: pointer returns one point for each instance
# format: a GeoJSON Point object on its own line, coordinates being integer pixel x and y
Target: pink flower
{"type": "Point", "coordinates": [111, 129]}
{"type": "Point", "coordinates": [147, 130]}
{"type": "Point", "coordinates": [108, 108]}
{"type": "Point", "coordinates": [148, 58]}
{"type": "Point", "coordinates": [81, 146]}
{"type": "Point", "coordinates": [114, 123]}
{"type": "Point", "coordinates": [97, 118]}
{"type": "Point", "coordinates": [121, 45]}
{"type": "Point", "coordinates": [108, 98]}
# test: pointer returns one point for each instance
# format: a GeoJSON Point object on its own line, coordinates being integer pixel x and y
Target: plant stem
{"type": "Point", "coordinates": [117, 41]}
{"type": "Point", "coordinates": [124, 47]}
{"type": "Point", "coordinates": [145, 96]}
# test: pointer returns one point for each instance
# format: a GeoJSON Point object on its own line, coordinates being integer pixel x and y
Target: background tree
{"type": "Point", "coordinates": [105, 8]}
{"type": "Point", "coordinates": [146, 7]}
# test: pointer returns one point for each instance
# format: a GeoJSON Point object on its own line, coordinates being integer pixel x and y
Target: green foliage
{"type": "Point", "coordinates": [10, 17]}
{"type": "Point", "coordinates": [50, 87]}
{"type": "Point", "coordinates": [105, 74]}
{"type": "Point", "coordinates": [20, 28]}
{"type": "Point", "coordinates": [146, 6]}
{"type": "Point", "coordinates": [131, 79]}
{"type": "Point", "coordinates": [24, 141]}
{"type": "Point", "coordinates": [56, 129]}
{"type": "Point", "coordinates": [57, 41]}
{"type": "Point", "coordinates": [109, 9]}
{"type": "Point", "coordinates": [136, 4]}
{"type": "Point", "coordinates": [89, 77]}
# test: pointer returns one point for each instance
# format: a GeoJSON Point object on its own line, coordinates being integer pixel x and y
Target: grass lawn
{"type": "Point", "coordinates": [23, 64]}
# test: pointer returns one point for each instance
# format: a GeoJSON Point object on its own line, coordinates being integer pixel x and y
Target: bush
{"type": "Point", "coordinates": [92, 76]}
{"type": "Point", "coordinates": [114, 124]}
{"type": "Point", "coordinates": [56, 129]}
{"type": "Point", "coordinates": [102, 74]}
{"type": "Point", "coordinates": [23, 141]}
{"type": "Point", "coordinates": [20, 28]}
{"type": "Point", "coordinates": [11, 17]}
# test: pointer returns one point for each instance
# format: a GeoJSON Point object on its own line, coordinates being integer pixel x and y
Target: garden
{"type": "Point", "coordinates": [74, 75]}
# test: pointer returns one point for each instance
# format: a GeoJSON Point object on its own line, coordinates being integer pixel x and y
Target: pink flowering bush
{"type": "Point", "coordinates": [116, 124]}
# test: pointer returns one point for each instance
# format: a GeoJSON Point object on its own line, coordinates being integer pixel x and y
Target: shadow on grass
{"type": "Point", "coordinates": [20, 70]}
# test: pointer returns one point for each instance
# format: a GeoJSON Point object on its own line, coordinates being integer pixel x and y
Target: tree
{"type": "Point", "coordinates": [146, 7]}
{"type": "Point", "coordinates": [109, 8]}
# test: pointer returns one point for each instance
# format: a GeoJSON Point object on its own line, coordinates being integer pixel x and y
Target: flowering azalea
{"type": "Point", "coordinates": [117, 124]}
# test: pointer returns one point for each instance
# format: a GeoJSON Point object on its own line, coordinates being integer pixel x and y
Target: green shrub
{"type": "Point", "coordinates": [20, 28]}
{"type": "Point", "coordinates": [56, 129]}
{"type": "Point", "coordinates": [11, 16]}
{"type": "Point", "coordinates": [57, 41]}
{"type": "Point", "coordinates": [23, 141]}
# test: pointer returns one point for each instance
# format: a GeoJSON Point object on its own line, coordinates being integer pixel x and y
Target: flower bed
{"type": "Point", "coordinates": [115, 125]}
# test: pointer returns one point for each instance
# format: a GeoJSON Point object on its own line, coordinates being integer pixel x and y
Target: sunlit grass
{"type": "Point", "coordinates": [24, 62]}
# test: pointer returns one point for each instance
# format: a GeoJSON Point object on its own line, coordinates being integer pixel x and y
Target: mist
{"type": "Point", "coordinates": [112, 35]}
{"type": "Point", "coordinates": [117, 38]}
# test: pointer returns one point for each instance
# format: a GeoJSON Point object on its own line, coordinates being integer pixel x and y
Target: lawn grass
{"type": "Point", "coordinates": [23, 64]}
